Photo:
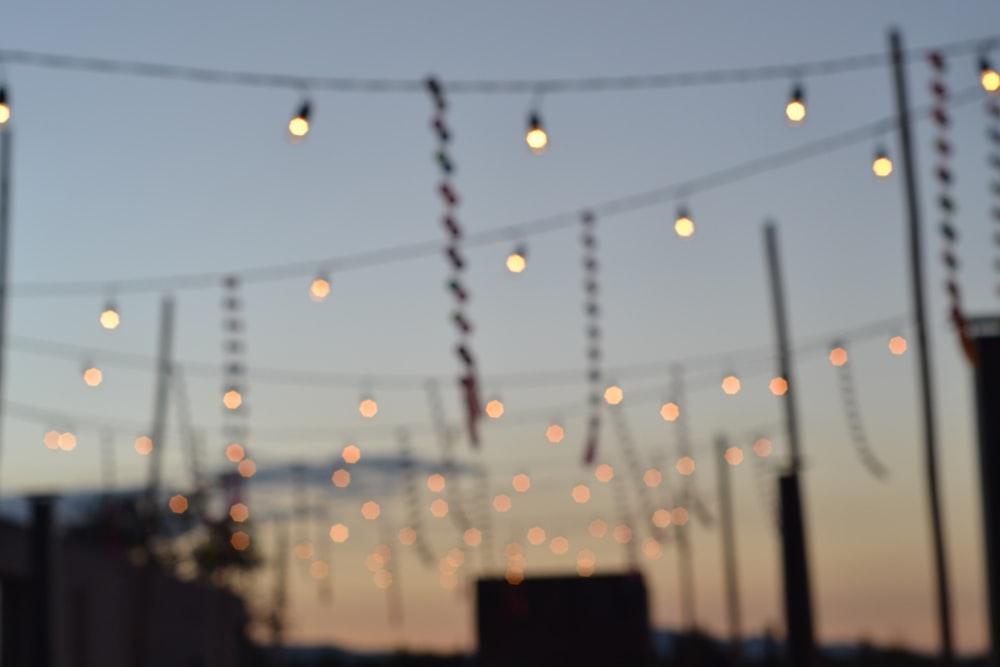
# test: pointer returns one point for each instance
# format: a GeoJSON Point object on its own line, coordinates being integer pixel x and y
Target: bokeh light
{"type": "Point", "coordinates": [734, 456]}
{"type": "Point", "coordinates": [581, 493]}
{"type": "Point", "coordinates": [521, 482]}
{"type": "Point", "coordinates": [661, 518]}
{"type": "Point", "coordinates": [604, 473]}
{"type": "Point", "coordinates": [93, 376]}
{"type": "Point", "coordinates": [598, 528]}
{"type": "Point", "coordinates": [235, 452]}
{"type": "Point", "coordinates": [304, 550]}
{"type": "Point", "coordinates": [897, 345]}
{"type": "Point", "coordinates": [778, 386]}
{"type": "Point", "coordinates": [536, 535]}
{"type": "Point", "coordinates": [232, 399]}
{"type": "Point", "coordinates": [679, 516]}
{"type": "Point", "coordinates": [51, 439]}
{"type": "Point", "coordinates": [555, 434]}
{"type": "Point", "coordinates": [368, 408]}
{"type": "Point", "coordinates": [882, 165]}
{"type": "Point", "coordinates": [670, 411]}
{"type": "Point", "coordinates": [370, 510]}
{"type": "Point", "coordinates": [559, 545]}
{"type": "Point", "coordinates": [652, 478]}
{"type": "Point", "coordinates": [731, 385]}
{"type": "Point", "coordinates": [435, 483]}
{"type": "Point", "coordinates": [247, 468]}
{"type": "Point", "coordinates": [684, 225]}
{"type": "Point", "coordinates": [178, 504]}
{"type": "Point", "coordinates": [652, 548]}
{"type": "Point", "coordinates": [494, 409]}
{"type": "Point", "coordinates": [110, 319]}
{"type": "Point", "coordinates": [239, 513]}
{"type": "Point", "coordinates": [614, 395]}
{"type": "Point", "coordinates": [319, 289]}
{"type": "Point", "coordinates": [341, 478]}
{"type": "Point", "coordinates": [240, 541]}
{"type": "Point", "coordinates": [838, 356]}
{"type": "Point", "coordinates": [339, 532]}
{"type": "Point", "coordinates": [439, 508]}
{"type": "Point", "coordinates": [319, 570]}
{"type": "Point", "coordinates": [351, 454]}
{"type": "Point", "coordinates": [143, 445]}
{"type": "Point", "coordinates": [685, 465]}
{"type": "Point", "coordinates": [762, 447]}
{"type": "Point", "coordinates": [502, 502]}
{"type": "Point", "coordinates": [473, 537]}
{"type": "Point", "coordinates": [407, 536]}
{"type": "Point", "coordinates": [622, 534]}
{"type": "Point", "coordinates": [66, 441]}
{"type": "Point", "coordinates": [516, 261]}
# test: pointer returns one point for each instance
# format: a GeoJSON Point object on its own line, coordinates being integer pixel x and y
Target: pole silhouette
{"type": "Point", "coordinates": [729, 570]}
{"type": "Point", "coordinates": [910, 200]}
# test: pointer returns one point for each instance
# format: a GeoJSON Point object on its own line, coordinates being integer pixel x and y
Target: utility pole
{"type": "Point", "coordinates": [923, 346]}
{"type": "Point", "coordinates": [6, 146]}
{"type": "Point", "coordinates": [729, 570]}
{"type": "Point", "coordinates": [798, 599]}
{"type": "Point", "coordinates": [986, 333]}
{"type": "Point", "coordinates": [161, 397]}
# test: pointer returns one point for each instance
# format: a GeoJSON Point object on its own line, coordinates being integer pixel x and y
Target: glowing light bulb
{"type": "Point", "coordinates": [838, 356]}
{"type": "Point", "coordinates": [178, 504]}
{"type": "Point", "coordinates": [731, 385]}
{"type": "Point", "coordinates": [734, 456]}
{"type": "Point", "coordinates": [517, 260]}
{"type": "Point", "coordinates": [51, 439]}
{"type": "Point", "coordinates": [239, 512]}
{"type": "Point", "coordinates": [685, 465]}
{"type": "Point", "coordinates": [684, 225]}
{"type": "Point", "coordinates": [881, 165]}
{"type": "Point", "coordinates": [351, 454]}
{"type": "Point", "coordinates": [779, 386]}
{"type": "Point", "coordinates": [614, 395]}
{"type": "Point", "coordinates": [247, 468]}
{"type": "Point", "coordinates": [536, 137]}
{"type": "Point", "coordinates": [339, 533]}
{"type": "Point", "coordinates": [988, 77]}
{"type": "Point", "coordinates": [298, 126]}
{"type": "Point", "coordinates": [795, 110]}
{"type": "Point", "coordinates": [235, 452]}
{"type": "Point", "coordinates": [93, 376]}
{"type": "Point", "coordinates": [232, 399]}
{"type": "Point", "coordinates": [66, 442]}
{"type": "Point", "coordinates": [494, 409]}
{"type": "Point", "coordinates": [110, 318]}
{"type": "Point", "coordinates": [341, 478]}
{"type": "Point", "coordinates": [435, 483]}
{"type": "Point", "coordinates": [143, 445]}
{"type": "Point", "coordinates": [368, 407]}
{"type": "Point", "coordinates": [240, 541]}
{"type": "Point", "coordinates": [319, 289]}
{"type": "Point", "coordinates": [762, 447]}
{"type": "Point", "coordinates": [555, 433]}
{"type": "Point", "coordinates": [4, 106]}
{"type": "Point", "coordinates": [670, 411]}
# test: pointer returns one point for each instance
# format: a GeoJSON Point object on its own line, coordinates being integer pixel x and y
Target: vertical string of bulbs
{"type": "Point", "coordinates": [991, 83]}
{"type": "Point", "coordinates": [946, 203]}
{"type": "Point", "coordinates": [234, 429]}
{"type": "Point", "coordinates": [592, 311]}
{"type": "Point", "coordinates": [852, 414]}
{"type": "Point", "coordinates": [468, 381]}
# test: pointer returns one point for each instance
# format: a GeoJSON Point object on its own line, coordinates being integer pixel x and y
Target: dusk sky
{"type": "Point", "coordinates": [121, 177]}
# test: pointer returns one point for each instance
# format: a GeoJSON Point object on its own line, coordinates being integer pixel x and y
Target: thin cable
{"type": "Point", "coordinates": [367, 259]}
{"type": "Point", "coordinates": [206, 75]}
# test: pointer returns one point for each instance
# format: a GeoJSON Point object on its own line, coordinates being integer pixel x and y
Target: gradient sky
{"type": "Point", "coordinates": [120, 177]}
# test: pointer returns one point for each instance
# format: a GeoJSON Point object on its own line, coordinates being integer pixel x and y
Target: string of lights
{"type": "Point", "coordinates": [205, 75]}
{"type": "Point", "coordinates": [991, 83]}
{"type": "Point", "coordinates": [852, 415]}
{"type": "Point", "coordinates": [543, 225]}
{"type": "Point", "coordinates": [592, 314]}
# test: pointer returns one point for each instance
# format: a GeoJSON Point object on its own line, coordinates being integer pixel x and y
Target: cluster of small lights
{"type": "Point", "coordinates": [63, 441]}
{"type": "Point", "coordinates": [614, 395]}
{"type": "Point", "coordinates": [494, 408]}
{"type": "Point", "coordinates": [652, 478]}
{"type": "Point", "coordinates": [502, 503]}
{"type": "Point", "coordinates": [762, 447]}
{"type": "Point", "coordinates": [685, 465]}
{"type": "Point", "coordinates": [555, 434]}
{"type": "Point", "coordinates": [339, 533]}
{"type": "Point", "coordinates": [435, 483]}
{"type": "Point", "coordinates": [778, 386]}
{"type": "Point", "coordinates": [368, 407]}
{"type": "Point", "coordinates": [521, 482]}
{"type": "Point", "coordinates": [734, 456]}
{"type": "Point", "coordinates": [604, 473]}
{"type": "Point", "coordinates": [670, 411]}
{"type": "Point", "coordinates": [581, 493]}
{"type": "Point", "coordinates": [439, 508]}
{"type": "Point", "coordinates": [731, 385]}
{"type": "Point", "coordinates": [143, 445]}
{"type": "Point", "coordinates": [319, 288]}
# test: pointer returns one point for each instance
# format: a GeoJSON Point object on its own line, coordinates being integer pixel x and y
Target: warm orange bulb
{"type": "Point", "coordinates": [494, 409]}
{"type": "Point", "coordinates": [235, 452]}
{"type": "Point", "coordinates": [143, 445]}
{"type": "Point", "coordinates": [110, 319]}
{"type": "Point", "coordinates": [685, 465]}
{"type": "Point", "coordinates": [614, 395]}
{"type": "Point", "coordinates": [604, 473]}
{"type": "Point", "coordinates": [319, 289]}
{"type": "Point", "coordinates": [339, 532]}
{"type": "Point", "coordinates": [435, 483]}
{"type": "Point", "coordinates": [521, 482]}
{"type": "Point", "coordinates": [341, 478]}
{"type": "Point", "coordinates": [555, 433]}
{"type": "Point", "coordinates": [731, 385]}
{"type": "Point", "coordinates": [684, 226]}
{"type": "Point", "coordinates": [581, 493]}
{"type": "Point", "coordinates": [661, 518]}
{"type": "Point", "coordinates": [239, 513]}
{"type": "Point", "coordinates": [67, 442]}
{"type": "Point", "coordinates": [351, 454]}
{"type": "Point", "coordinates": [652, 477]}
{"type": "Point", "coordinates": [298, 127]}
{"type": "Point", "coordinates": [838, 356]}
{"type": "Point", "coordinates": [990, 80]}
{"type": "Point", "coordinates": [779, 386]}
{"type": "Point", "coordinates": [178, 504]}
{"type": "Point", "coordinates": [670, 411]}
{"type": "Point", "coordinates": [371, 510]}
{"type": "Point", "coordinates": [882, 166]}
{"type": "Point", "coordinates": [240, 541]}
{"type": "Point", "coordinates": [247, 468]}
{"type": "Point", "coordinates": [232, 399]}
{"type": "Point", "coordinates": [516, 262]}
{"type": "Point", "coordinates": [897, 345]}
{"type": "Point", "coordinates": [734, 456]}
{"type": "Point", "coordinates": [93, 376]}
{"type": "Point", "coordinates": [439, 508]}
{"type": "Point", "coordinates": [51, 439]}
{"type": "Point", "coordinates": [368, 408]}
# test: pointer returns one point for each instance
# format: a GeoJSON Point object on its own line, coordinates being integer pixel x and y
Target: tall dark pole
{"type": "Point", "coordinates": [6, 142]}
{"type": "Point", "coordinates": [729, 571]}
{"type": "Point", "coordinates": [161, 396]}
{"type": "Point", "coordinates": [798, 599]}
{"type": "Point", "coordinates": [923, 346]}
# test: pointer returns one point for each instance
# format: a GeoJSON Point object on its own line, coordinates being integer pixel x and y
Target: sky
{"type": "Point", "coordinates": [118, 178]}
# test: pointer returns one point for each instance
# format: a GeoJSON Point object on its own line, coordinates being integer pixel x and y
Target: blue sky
{"type": "Point", "coordinates": [120, 177]}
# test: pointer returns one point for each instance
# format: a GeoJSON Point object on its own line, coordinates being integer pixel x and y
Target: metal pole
{"type": "Point", "coordinates": [6, 143]}
{"type": "Point", "coordinates": [729, 552]}
{"type": "Point", "coordinates": [923, 346]}
{"type": "Point", "coordinates": [160, 400]}
{"type": "Point", "coordinates": [798, 599]}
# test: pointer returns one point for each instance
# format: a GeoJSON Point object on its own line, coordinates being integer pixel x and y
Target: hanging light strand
{"type": "Point", "coordinates": [468, 380]}
{"type": "Point", "coordinates": [592, 312]}
{"type": "Point", "coordinates": [855, 425]}
{"type": "Point", "coordinates": [946, 202]}
{"type": "Point", "coordinates": [992, 108]}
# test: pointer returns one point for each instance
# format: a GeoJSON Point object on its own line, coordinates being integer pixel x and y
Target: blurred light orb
{"type": "Point", "coordinates": [685, 465]}
{"type": "Point", "coordinates": [762, 447]}
{"type": "Point", "coordinates": [838, 356]}
{"type": "Point", "coordinates": [502, 503]}
{"type": "Point", "coordinates": [51, 439]}
{"type": "Point", "coordinates": [143, 445]}
{"type": "Point", "coordinates": [731, 385]}
{"type": "Point", "coordinates": [304, 550]}
{"type": "Point", "coordinates": [472, 537]}
{"type": "Point", "coordinates": [652, 548]}
{"type": "Point", "coordinates": [604, 473]}
{"type": "Point", "coordinates": [537, 139]}
{"type": "Point", "coordinates": [536, 535]}
{"type": "Point", "coordinates": [652, 478]}
{"type": "Point", "coordinates": [555, 434]}
{"type": "Point", "coordinates": [368, 408]}
{"type": "Point", "coordinates": [240, 541]}
{"type": "Point", "coordinates": [622, 534]}
{"type": "Point", "coordinates": [614, 395]}
{"type": "Point", "coordinates": [661, 518]}
{"type": "Point", "coordinates": [779, 386]}
{"type": "Point", "coordinates": [989, 78]}
{"type": "Point", "coordinates": [319, 570]}
{"type": "Point", "coordinates": [235, 452]}
{"type": "Point", "coordinates": [734, 456]}
{"type": "Point", "coordinates": [439, 508]}
{"type": "Point", "coordinates": [178, 504]}
{"type": "Point", "coordinates": [670, 411]}
{"type": "Point", "coordinates": [239, 513]}
{"type": "Point", "coordinates": [882, 166]}
{"type": "Point", "coordinates": [680, 516]}
{"type": "Point", "coordinates": [110, 319]}
{"type": "Point", "coordinates": [897, 345]}
{"type": "Point", "coordinates": [598, 528]}
{"type": "Point", "coordinates": [298, 127]}
{"type": "Point", "coordinates": [559, 545]}
{"type": "Point", "coordinates": [341, 478]}
{"type": "Point", "coordinates": [351, 454]}
{"type": "Point", "coordinates": [232, 399]}
{"type": "Point", "coordinates": [684, 226]}
{"type": "Point", "coordinates": [516, 262]}
{"type": "Point", "coordinates": [521, 482]}
{"type": "Point", "coordinates": [93, 376]}
{"type": "Point", "coordinates": [494, 409]}
{"type": "Point", "coordinates": [319, 289]}
{"type": "Point", "coordinates": [581, 493]}
{"type": "Point", "coordinates": [339, 533]}
{"type": "Point", "coordinates": [371, 510]}
{"type": "Point", "coordinates": [407, 536]}
{"type": "Point", "coordinates": [67, 442]}
{"type": "Point", "coordinates": [436, 483]}
{"type": "Point", "coordinates": [247, 468]}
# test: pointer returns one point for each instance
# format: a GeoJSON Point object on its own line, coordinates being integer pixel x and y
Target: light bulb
{"type": "Point", "coordinates": [319, 289]}
{"type": "Point", "coordinates": [897, 345]}
{"type": "Point", "coordinates": [614, 395]}
{"type": "Point", "coordinates": [731, 385]}
{"type": "Point", "coordinates": [232, 399]}
{"type": "Point", "coordinates": [298, 126]}
{"type": "Point", "coordinates": [795, 110]}
{"type": "Point", "coordinates": [110, 319]}
{"type": "Point", "coordinates": [536, 137]}
{"type": "Point", "coordinates": [495, 409]}
{"type": "Point", "coordinates": [93, 376]}
{"type": "Point", "coordinates": [882, 165]}
{"type": "Point", "coordinates": [517, 260]}
{"type": "Point", "coordinates": [988, 77]}
{"type": "Point", "coordinates": [4, 107]}
{"type": "Point", "coordinates": [368, 407]}
{"type": "Point", "coordinates": [684, 225]}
